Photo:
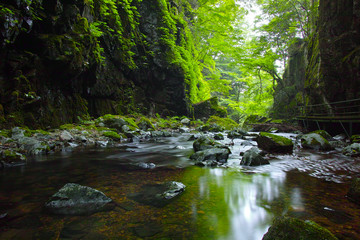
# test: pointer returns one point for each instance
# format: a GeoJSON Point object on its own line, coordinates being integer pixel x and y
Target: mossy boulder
{"type": "Point", "coordinates": [352, 150]}
{"type": "Point", "coordinates": [226, 123]}
{"type": "Point", "coordinates": [9, 158]}
{"type": "Point", "coordinates": [274, 144]}
{"type": "Point", "coordinates": [295, 229]}
{"type": "Point", "coordinates": [324, 134]}
{"type": "Point", "coordinates": [112, 135]}
{"type": "Point", "coordinates": [354, 191]}
{"type": "Point", "coordinates": [208, 108]}
{"type": "Point", "coordinates": [355, 139]}
{"type": "Point", "coordinates": [315, 141]}
{"type": "Point", "coordinates": [211, 157]}
{"type": "Point", "coordinates": [203, 143]}
{"type": "Point", "coordinates": [145, 124]}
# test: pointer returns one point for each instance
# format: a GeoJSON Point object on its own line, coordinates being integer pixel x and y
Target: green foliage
{"type": "Point", "coordinates": [227, 123]}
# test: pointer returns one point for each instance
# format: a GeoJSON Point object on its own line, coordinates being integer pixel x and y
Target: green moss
{"type": "Point", "coordinates": [4, 133]}
{"type": "Point", "coordinates": [226, 123]}
{"type": "Point", "coordinates": [355, 138]}
{"type": "Point", "coordinates": [296, 229]}
{"type": "Point", "coordinates": [144, 123]}
{"type": "Point", "coordinates": [323, 133]}
{"type": "Point", "coordinates": [113, 135]}
{"type": "Point", "coordinates": [278, 139]}
{"type": "Point", "coordinates": [67, 126]}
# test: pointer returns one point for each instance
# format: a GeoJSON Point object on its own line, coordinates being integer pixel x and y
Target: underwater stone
{"type": "Point", "coordinates": [75, 199]}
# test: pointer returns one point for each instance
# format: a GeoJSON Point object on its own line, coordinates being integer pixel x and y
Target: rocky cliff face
{"type": "Point", "coordinates": [64, 59]}
{"type": "Point", "coordinates": [332, 59]}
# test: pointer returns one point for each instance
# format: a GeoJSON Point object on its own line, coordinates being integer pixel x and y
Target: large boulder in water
{"type": "Point", "coordinates": [158, 195]}
{"type": "Point", "coordinates": [296, 229]}
{"type": "Point", "coordinates": [203, 143]}
{"type": "Point", "coordinates": [315, 141]}
{"type": "Point", "coordinates": [352, 150]}
{"type": "Point", "coordinates": [211, 157]}
{"type": "Point", "coordinates": [354, 191]}
{"type": "Point", "coordinates": [75, 199]}
{"type": "Point", "coordinates": [274, 143]}
{"type": "Point", "coordinates": [252, 157]}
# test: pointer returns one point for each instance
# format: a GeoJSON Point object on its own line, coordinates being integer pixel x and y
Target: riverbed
{"type": "Point", "coordinates": [223, 203]}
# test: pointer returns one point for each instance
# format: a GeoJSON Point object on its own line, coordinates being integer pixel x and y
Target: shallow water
{"type": "Point", "coordinates": [231, 202]}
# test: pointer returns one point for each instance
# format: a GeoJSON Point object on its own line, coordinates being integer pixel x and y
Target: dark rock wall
{"type": "Point", "coordinates": [70, 58]}
{"type": "Point", "coordinates": [332, 63]}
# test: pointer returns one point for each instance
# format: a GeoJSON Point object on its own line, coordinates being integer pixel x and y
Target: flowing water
{"type": "Point", "coordinates": [231, 202]}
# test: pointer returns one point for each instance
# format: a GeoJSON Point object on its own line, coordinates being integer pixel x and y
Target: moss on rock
{"type": "Point", "coordinates": [295, 229]}
{"type": "Point", "coordinates": [226, 123]}
{"type": "Point", "coordinates": [111, 134]}
{"type": "Point", "coordinates": [274, 143]}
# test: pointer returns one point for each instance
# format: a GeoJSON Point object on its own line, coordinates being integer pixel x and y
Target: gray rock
{"type": "Point", "coordinates": [252, 157]}
{"type": "Point", "coordinates": [315, 141]}
{"type": "Point", "coordinates": [184, 130]}
{"type": "Point", "coordinates": [74, 199]}
{"type": "Point", "coordinates": [158, 195]}
{"type": "Point", "coordinates": [352, 150]}
{"type": "Point", "coordinates": [219, 136]}
{"type": "Point", "coordinates": [204, 142]}
{"type": "Point", "coordinates": [17, 133]}
{"type": "Point", "coordinates": [117, 123]}
{"type": "Point", "coordinates": [125, 128]}
{"type": "Point", "coordinates": [66, 136]}
{"type": "Point", "coordinates": [185, 121]}
{"type": "Point", "coordinates": [32, 146]}
{"type": "Point", "coordinates": [212, 157]}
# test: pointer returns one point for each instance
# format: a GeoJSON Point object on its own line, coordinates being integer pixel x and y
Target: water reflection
{"type": "Point", "coordinates": [233, 203]}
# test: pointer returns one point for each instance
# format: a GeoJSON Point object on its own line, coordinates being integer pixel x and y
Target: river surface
{"type": "Point", "coordinates": [223, 203]}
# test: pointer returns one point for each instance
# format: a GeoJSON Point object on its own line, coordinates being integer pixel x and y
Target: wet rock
{"type": "Point", "coordinates": [274, 144]}
{"type": "Point", "coordinates": [236, 134]}
{"type": "Point", "coordinates": [295, 229]}
{"type": "Point", "coordinates": [194, 137]}
{"type": "Point", "coordinates": [143, 165]}
{"type": "Point", "coordinates": [158, 195]}
{"type": "Point", "coordinates": [66, 136]}
{"type": "Point", "coordinates": [352, 150]}
{"type": "Point", "coordinates": [252, 157]}
{"type": "Point", "coordinates": [74, 199]}
{"type": "Point", "coordinates": [324, 134]}
{"type": "Point", "coordinates": [32, 146]}
{"type": "Point", "coordinates": [17, 133]}
{"type": "Point", "coordinates": [10, 158]}
{"type": "Point", "coordinates": [116, 123]}
{"type": "Point", "coordinates": [219, 136]}
{"type": "Point", "coordinates": [147, 230]}
{"type": "Point", "coordinates": [354, 191]}
{"type": "Point", "coordinates": [246, 143]}
{"type": "Point", "coordinates": [184, 130]}
{"type": "Point", "coordinates": [315, 141]}
{"type": "Point", "coordinates": [203, 143]}
{"type": "Point", "coordinates": [211, 157]}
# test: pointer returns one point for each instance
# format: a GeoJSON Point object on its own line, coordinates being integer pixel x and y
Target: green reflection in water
{"type": "Point", "coordinates": [229, 204]}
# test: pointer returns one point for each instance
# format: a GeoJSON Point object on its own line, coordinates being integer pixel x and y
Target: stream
{"type": "Point", "coordinates": [222, 203]}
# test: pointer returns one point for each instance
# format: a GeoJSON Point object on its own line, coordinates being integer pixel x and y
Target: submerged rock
{"type": "Point", "coordinates": [158, 195]}
{"type": "Point", "coordinates": [354, 191]}
{"type": "Point", "coordinates": [74, 199]}
{"type": "Point", "coordinates": [219, 136]}
{"type": "Point", "coordinates": [295, 229]}
{"type": "Point", "coordinates": [252, 157]}
{"type": "Point", "coordinates": [315, 141]}
{"type": "Point", "coordinates": [274, 144]}
{"type": "Point", "coordinates": [211, 157]}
